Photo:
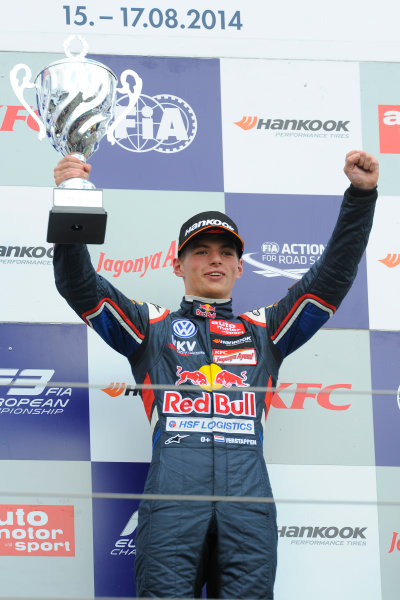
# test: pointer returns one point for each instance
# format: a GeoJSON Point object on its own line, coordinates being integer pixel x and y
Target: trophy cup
{"type": "Point", "coordinates": [76, 102]}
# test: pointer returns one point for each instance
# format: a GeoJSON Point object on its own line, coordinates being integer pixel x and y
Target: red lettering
{"type": "Point", "coordinates": [393, 544]}
{"type": "Point", "coordinates": [323, 397]}
{"type": "Point", "coordinates": [170, 254]}
{"type": "Point", "coordinates": [301, 394]}
{"type": "Point", "coordinates": [276, 400]}
{"type": "Point", "coordinates": [171, 401]}
{"type": "Point", "coordinates": [11, 116]}
{"type": "Point", "coordinates": [186, 405]}
{"type": "Point", "coordinates": [102, 255]}
{"type": "Point", "coordinates": [202, 404]}
{"type": "Point", "coordinates": [32, 123]}
{"type": "Point", "coordinates": [221, 404]}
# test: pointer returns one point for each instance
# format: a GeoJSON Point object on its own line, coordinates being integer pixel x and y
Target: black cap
{"type": "Point", "coordinates": [209, 222]}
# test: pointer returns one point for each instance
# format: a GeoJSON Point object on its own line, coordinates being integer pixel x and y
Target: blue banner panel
{"type": "Point", "coordinates": [172, 138]}
{"type": "Point", "coordinates": [284, 236]}
{"type": "Point", "coordinates": [114, 527]}
{"type": "Point", "coordinates": [385, 358]}
{"type": "Point", "coordinates": [44, 415]}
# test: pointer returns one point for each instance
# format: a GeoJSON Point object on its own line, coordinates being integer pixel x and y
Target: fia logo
{"type": "Point", "coordinates": [164, 123]}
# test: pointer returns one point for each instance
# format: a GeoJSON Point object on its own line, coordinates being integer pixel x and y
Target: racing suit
{"type": "Point", "coordinates": [208, 434]}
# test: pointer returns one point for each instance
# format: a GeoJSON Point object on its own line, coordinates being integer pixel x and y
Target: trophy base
{"type": "Point", "coordinates": [77, 217]}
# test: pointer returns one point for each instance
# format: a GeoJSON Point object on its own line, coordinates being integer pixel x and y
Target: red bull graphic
{"type": "Point", "coordinates": [195, 377]}
{"type": "Point", "coordinates": [228, 379]}
{"type": "Point", "coordinates": [206, 310]}
{"type": "Point", "coordinates": [220, 404]}
{"type": "Point", "coordinates": [210, 377]}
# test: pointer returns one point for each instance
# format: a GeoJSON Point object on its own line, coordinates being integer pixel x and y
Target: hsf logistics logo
{"type": "Point", "coordinates": [300, 128]}
{"type": "Point", "coordinates": [289, 259]}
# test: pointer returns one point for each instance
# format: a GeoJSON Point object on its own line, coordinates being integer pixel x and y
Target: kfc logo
{"type": "Point", "coordinates": [323, 396]}
{"type": "Point", "coordinates": [389, 129]}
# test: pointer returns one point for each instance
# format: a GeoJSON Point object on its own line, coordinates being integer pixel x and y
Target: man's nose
{"type": "Point", "coordinates": [215, 257]}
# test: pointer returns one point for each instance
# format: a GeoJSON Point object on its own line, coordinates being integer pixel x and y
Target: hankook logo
{"type": "Point", "coordinates": [312, 127]}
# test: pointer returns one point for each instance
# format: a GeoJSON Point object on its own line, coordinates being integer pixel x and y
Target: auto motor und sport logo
{"type": "Point", "coordinates": [301, 128]}
{"type": "Point", "coordinates": [289, 260]}
{"type": "Point", "coordinates": [36, 530]}
{"type": "Point", "coordinates": [389, 128]}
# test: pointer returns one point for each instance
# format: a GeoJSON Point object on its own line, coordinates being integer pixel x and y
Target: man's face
{"type": "Point", "coordinates": [209, 266]}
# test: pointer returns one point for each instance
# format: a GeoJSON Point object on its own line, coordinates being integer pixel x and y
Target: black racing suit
{"type": "Point", "coordinates": [208, 434]}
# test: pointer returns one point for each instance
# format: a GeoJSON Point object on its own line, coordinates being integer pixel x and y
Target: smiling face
{"type": "Point", "coordinates": [209, 266]}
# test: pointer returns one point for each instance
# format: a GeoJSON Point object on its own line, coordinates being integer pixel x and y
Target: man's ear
{"type": "Point", "coordinates": [240, 269]}
{"type": "Point", "coordinates": [177, 267]}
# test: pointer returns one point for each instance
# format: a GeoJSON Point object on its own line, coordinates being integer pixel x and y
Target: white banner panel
{"type": "Point", "coordinates": [26, 271]}
{"type": "Point", "coordinates": [119, 428]}
{"type": "Point", "coordinates": [287, 126]}
{"type": "Point", "coordinates": [224, 28]}
{"type": "Point", "coordinates": [327, 548]}
{"type": "Point", "coordinates": [383, 265]}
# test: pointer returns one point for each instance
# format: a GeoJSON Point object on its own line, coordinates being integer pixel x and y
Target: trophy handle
{"type": "Point", "coordinates": [133, 98]}
{"type": "Point", "coordinates": [19, 92]}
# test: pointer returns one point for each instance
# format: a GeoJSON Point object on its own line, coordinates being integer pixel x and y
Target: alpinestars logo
{"type": "Point", "coordinates": [330, 128]}
{"type": "Point", "coordinates": [290, 260]}
{"type": "Point", "coordinates": [164, 123]}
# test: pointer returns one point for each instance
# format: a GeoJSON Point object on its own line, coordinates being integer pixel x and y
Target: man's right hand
{"type": "Point", "coordinates": [71, 166]}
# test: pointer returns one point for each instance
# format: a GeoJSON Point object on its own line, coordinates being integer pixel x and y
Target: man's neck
{"type": "Point", "coordinates": [209, 300]}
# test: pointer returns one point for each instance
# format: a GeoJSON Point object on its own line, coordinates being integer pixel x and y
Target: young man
{"type": "Point", "coordinates": [208, 436]}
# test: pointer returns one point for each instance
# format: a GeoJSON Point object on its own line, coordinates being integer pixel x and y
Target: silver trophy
{"type": "Point", "coordinates": [76, 102]}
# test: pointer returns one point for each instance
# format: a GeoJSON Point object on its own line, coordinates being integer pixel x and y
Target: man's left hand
{"type": "Point", "coordinates": [362, 169]}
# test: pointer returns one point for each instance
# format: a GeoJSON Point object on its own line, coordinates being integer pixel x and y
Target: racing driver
{"type": "Point", "coordinates": [208, 434]}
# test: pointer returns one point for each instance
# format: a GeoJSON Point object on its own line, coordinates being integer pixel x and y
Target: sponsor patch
{"type": "Point", "coordinates": [206, 310]}
{"type": "Point", "coordinates": [175, 403]}
{"type": "Point", "coordinates": [184, 328]}
{"type": "Point", "coordinates": [224, 341]}
{"type": "Point", "coordinates": [176, 439]}
{"type": "Point", "coordinates": [235, 357]}
{"type": "Point", "coordinates": [237, 426]}
{"type": "Point", "coordinates": [226, 328]}
{"type": "Point", "coordinates": [229, 440]}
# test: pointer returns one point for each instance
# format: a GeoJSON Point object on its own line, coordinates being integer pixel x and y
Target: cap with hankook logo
{"type": "Point", "coordinates": [209, 222]}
